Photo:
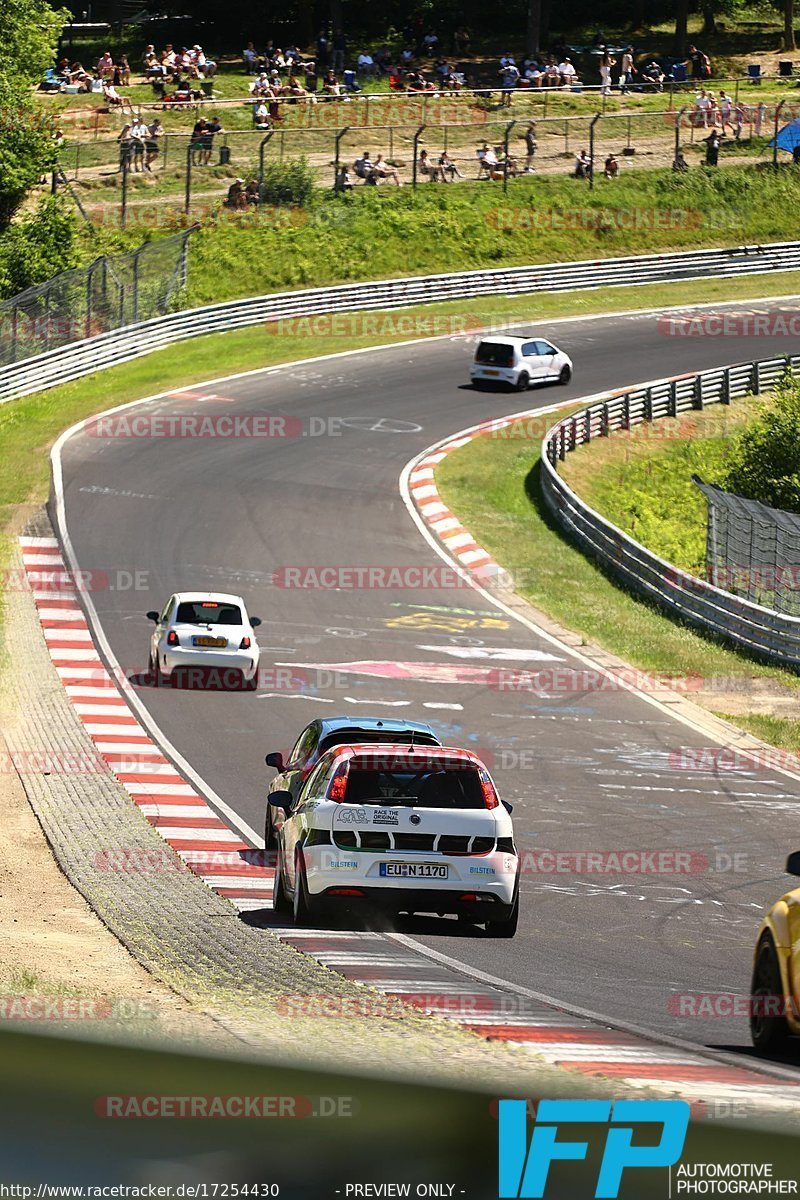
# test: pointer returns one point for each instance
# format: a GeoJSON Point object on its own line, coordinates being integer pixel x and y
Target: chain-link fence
{"type": "Point", "coordinates": [752, 550]}
{"type": "Point", "coordinates": [112, 292]}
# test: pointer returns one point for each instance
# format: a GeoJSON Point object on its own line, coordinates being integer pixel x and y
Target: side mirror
{"type": "Point", "coordinates": [152, 616]}
{"type": "Point", "coordinates": [281, 800]}
{"type": "Point", "coordinates": [793, 863]}
{"type": "Point", "coordinates": [508, 807]}
{"type": "Point", "coordinates": [255, 622]}
{"type": "Point", "coordinates": [275, 760]}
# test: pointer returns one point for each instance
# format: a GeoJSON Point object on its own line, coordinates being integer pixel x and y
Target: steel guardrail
{"type": "Point", "coordinates": [83, 358]}
{"type": "Point", "coordinates": [758, 630]}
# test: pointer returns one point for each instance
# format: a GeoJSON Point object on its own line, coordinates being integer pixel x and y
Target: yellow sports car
{"type": "Point", "coordinates": [775, 990]}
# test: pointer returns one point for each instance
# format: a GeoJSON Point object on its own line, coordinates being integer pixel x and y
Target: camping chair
{"type": "Point", "coordinates": [754, 73]}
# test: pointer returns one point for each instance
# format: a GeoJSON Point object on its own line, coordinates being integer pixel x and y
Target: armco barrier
{"type": "Point", "coordinates": [760, 631]}
{"type": "Point", "coordinates": [133, 341]}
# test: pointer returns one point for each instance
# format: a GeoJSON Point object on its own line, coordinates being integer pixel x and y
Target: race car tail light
{"type": "Point", "coordinates": [489, 794]}
{"type": "Point", "coordinates": [468, 897]}
{"type": "Point", "coordinates": [345, 892]}
{"type": "Point", "coordinates": [338, 785]}
{"type": "Point", "coordinates": [172, 638]}
{"type": "Point", "coordinates": [244, 644]}
{"type": "Point", "coordinates": [507, 845]}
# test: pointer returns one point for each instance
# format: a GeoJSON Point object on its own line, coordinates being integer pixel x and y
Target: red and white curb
{"type": "Point", "coordinates": [184, 819]}
{"type": "Point", "coordinates": [390, 965]}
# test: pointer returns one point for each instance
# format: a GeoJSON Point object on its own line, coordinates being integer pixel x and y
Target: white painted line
{"type": "Point", "coordinates": [159, 789]}
{"type": "Point", "coordinates": [192, 834]}
{"type": "Point", "coordinates": [175, 810]}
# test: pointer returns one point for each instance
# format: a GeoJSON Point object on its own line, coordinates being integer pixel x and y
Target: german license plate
{"type": "Point", "coordinates": [209, 641]}
{"type": "Point", "coordinates": [403, 870]}
{"type": "Point", "coordinates": [491, 372]}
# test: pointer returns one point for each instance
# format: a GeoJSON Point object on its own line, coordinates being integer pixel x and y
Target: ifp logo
{"type": "Point", "coordinates": [524, 1168]}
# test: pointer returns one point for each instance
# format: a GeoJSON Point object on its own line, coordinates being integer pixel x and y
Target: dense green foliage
{"type": "Point", "coordinates": [36, 248]}
{"type": "Point", "coordinates": [764, 459]}
{"type": "Point", "coordinates": [289, 182]}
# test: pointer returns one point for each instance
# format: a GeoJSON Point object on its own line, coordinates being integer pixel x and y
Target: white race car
{"type": "Point", "coordinates": [517, 362]}
{"type": "Point", "coordinates": [205, 630]}
{"type": "Point", "coordinates": [407, 828]}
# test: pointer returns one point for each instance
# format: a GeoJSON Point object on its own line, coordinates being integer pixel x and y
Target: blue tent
{"type": "Point", "coordinates": [788, 137]}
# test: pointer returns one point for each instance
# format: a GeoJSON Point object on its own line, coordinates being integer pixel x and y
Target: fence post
{"type": "Point", "coordinates": [14, 312]}
{"type": "Point", "coordinates": [337, 140]}
{"type": "Point", "coordinates": [417, 136]}
{"type": "Point", "coordinates": [166, 146]}
{"type": "Point", "coordinates": [648, 405]}
{"type": "Point", "coordinates": [592, 124]}
{"type": "Point", "coordinates": [604, 421]}
{"type": "Point", "coordinates": [262, 145]}
{"type": "Point", "coordinates": [626, 412]}
{"type": "Point", "coordinates": [673, 398]}
{"type": "Point", "coordinates": [678, 120]}
{"type": "Point", "coordinates": [187, 204]}
{"type": "Point", "coordinates": [123, 215]}
{"type": "Point", "coordinates": [562, 440]}
{"type": "Point", "coordinates": [756, 379]}
{"type": "Point", "coordinates": [89, 274]}
{"type": "Point", "coordinates": [136, 283]}
{"type": "Point", "coordinates": [183, 262]}
{"type": "Point", "coordinates": [506, 136]}
{"type": "Point", "coordinates": [566, 135]}
{"type": "Point", "coordinates": [726, 386]}
{"type": "Point", "coordinates": [697, 398]}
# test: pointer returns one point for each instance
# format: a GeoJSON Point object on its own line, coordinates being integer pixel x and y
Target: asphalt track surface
{"type": "Point", "coordinates": [586, 771]}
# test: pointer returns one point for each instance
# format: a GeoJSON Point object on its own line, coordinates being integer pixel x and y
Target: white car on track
{"type": "Point", "coordinates": [406, 828]}
{"type": "Point", "coordinates": [205, 630]}
{"type": "Point", "coordinates": [517, 362]}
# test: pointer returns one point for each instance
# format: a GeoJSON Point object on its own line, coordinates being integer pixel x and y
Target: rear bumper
{"type": "Point", "coordinates": [494, 375]}
{"type": "Point", "coordinates": [493, 876]}
{"type": "Point", "coordinates": [487, 906]}
{"type": "Point", "coordinates": [179, 657]}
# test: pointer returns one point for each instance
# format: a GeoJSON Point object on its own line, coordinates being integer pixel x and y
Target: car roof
{"type": "Point", "coordinates": [371, 724]}
{"type": "Point", "coordinates": [223, 597]}
{"type": "Point", "coordinates": [456, 756]}
{"type": "Point", "coordinates": [514, 339]}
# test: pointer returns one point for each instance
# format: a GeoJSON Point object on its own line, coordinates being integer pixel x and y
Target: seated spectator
{"type": "Point", "coordinates": [261, 116]}
{"type": "Point", "coordinates": [366, 64]}
{"type": "Point", "coordinates": [611, 169]}
{"type": "Point", "coordinates": [331, 85]}
{"type": "Point", "coordinates": [110, 94]}
{"type": "Point", "coordinates": [363, 166]}
{"type": "Point", "coordinates": [679, 163]}
{"type": "Point", "coordinates": [250, 59]}
{"type": "Point", "coordinates": [567, 72]}
{"type": "Point", "coordinates": [406, 56]}
{"type": "Point", "coordinates": [343, 182]}
{"type": "Point", "coordinates": [551, 76]}
{"type": "Point", "coordinates": [427, 168]}
{"type": "Point", "coordinates": [383, 60]}
{"type": "Point", "coordinates": [582, 165]}
{"type": "Point", "coordinates": [382, 170]}
{"type": "Point", "coordinates": [448, 168]}
{"type": "Point", "coordinates": [430, 43]}
{"type": "Point", "coordinates": [105, 65]}
{"type": "Point", "coordinates": [252, 192]}
{"type": "Point", "coordinates": [205, 66]}
{"type": "Point", "coordinates": [506, 59]}
{"type": "Point", "coordinates": [453, 80]}
{"type": "Point", "coordinates": [653, 75]}
{"type": "Point", "coordinates": [237, 197]}
{"type": "Point", "coordinates": [124, 69]}
{"type": "Point", "coordinates": [150, 61]}
{"type": "Point", "coordinates": [76, 76]}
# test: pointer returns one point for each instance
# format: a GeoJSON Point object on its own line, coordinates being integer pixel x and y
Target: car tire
{"type": "Point", "coordinates": [523, 379]}
{"type": "Point", "coordinates": [769, 1033]}
{"type": "Point", "coordinates": [154, 670]}
{"type": "Point", "coordinates": [305, 908]}
{"type": "Point", "coordinates": [281, 904]}
{"type": "Point", "coordinates": [565, 374]}
{"type": "Point", "coordinates": [508, 926]}
{"type": "Point", "coordinates": [270, 841]}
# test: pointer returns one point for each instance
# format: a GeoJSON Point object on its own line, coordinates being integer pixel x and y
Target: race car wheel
{"type": "Point", "coordinates": [280, 901]}
{"type": "Point", "coordinates": [565, 374]}
{"type": "Point", "coordinates": [523, 380]}
{"type": "Point", "coordinates": [508, 926]}
{"type": "Point", "coordinates": [768, 1026]}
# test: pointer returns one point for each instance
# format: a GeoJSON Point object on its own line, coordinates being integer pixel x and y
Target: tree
{"type": "Point", "coordinates": [534, 26]}
{"type": "Point", "coordinates": [764, 460]}
{"type": "Point", "coordinates": [789, 42]}
{"type": "Point", "coordinates": [681, 25]}
{"type": "Point", "coordinates": [28, 34]}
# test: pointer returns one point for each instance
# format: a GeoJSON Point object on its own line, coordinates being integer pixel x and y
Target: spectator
{"type": "Point", "coordinates": [738, 120]}
{"type": "Point", "coordinates": [105, 66]}
{"type": "Point", "coordinates": [363, 166]}
{"type": "Point", "coordinates": [331, 85]}
{"type": "Point", "coordinates": [611, 168]}
{"type": "Point", "coordinates": [343, 181]}
{"type": "Point", "coordinates": [205, 66]}
{"type": "Point", "coordinates": [151, 150]}
{"type": "Point", "coordinates": [124, 69]}
{"type": "Point", "coordinates": [252, 192]}
{"type": "Point", "coordinates": [125, 143]}
{"type": "Point", "coordinates": [626, 70]}
{"type": "Point", "coordinates": [237, 197]}
{"type": "Point", "coordinates": [448, 167]}
{"type": "Point", "coordinates": [530, 147]}
{"type": "Point", "coordinates": [110, 93]}
{"type": "Point", "coordinates": [312, 80]}
{"type": "Point", "coordinates": [430, 43]}
{"type": "Point", "coordinates": [606, 63]}
{"type": "Point", "coordinates": [151, 63]}
{"type": "Point", "coordinates": [213, 127]}
{"type": "Point", "coordinates": [250, 59]}
{"type": "Point", "coordinates": [139, 135]}
{"type": "Point", "coordinates": [712, 148]}
{"type": "Point", "coordinates": [323, 49]}
{"type": "Point", "coordinates": [582, 165]}
{"type": "Point", "coordinates": [725, 110]}
{"type": "Point", "coordinates": [533, 74]}
{"type": "Point", "coordinates": [426, 167]}
{"type": "Point", "coordinates": [654, 75]}
{"type": "Point", "coordinates": [366, 64]}
{"type": "Point", "coordinates": [261, 116]}
{"type": "Point", "coordinates": [509, 80]}
{"type": "Point", "coordinates": [461, 41]}
{"type": "Point", "coordinates": [699, 64]}
{"type": "Point", "coordinates": [339, 50]}
{"type": "Point", "coordinates": [198, 144]}
{"type": "Point", "coordinates": [567, 72]}
{"type": "Point", "coordinates": [702, 109]}
{"type": "Point", "coordinates": [382, 170]}
{"type": "Point", "coordinates": [679, 163]}
{"type": "Point", "coordinates": [551, 76]}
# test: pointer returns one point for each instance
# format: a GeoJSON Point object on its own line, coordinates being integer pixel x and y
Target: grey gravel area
{"type": "Point", "coordinates": [190, 938]}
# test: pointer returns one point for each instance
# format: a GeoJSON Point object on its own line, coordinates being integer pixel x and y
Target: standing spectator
{"type": "Point", "coordinates": [151, 149]}
{"type": "Point", "coordinates": [738, 120]}
{"type": "Point", "coordinates": [712, 148]}
{"type": "Point", "coordinates": [214, 126]}
{"type": "Point", "coordinates": [461, 40]}
{"type": "Point", "coordinates": [699, 64]}
{"type": "Point", "coordinates": [339, 50]}
{"type": "Point", "coordinates": [626, 70]}
{"type": "Point", "coordinates": [323, 50]}
{"type": "Point", "coordinates": [124, 68]}
{"type": "Point", "coordinates": [139, 135]}
{"type": "Point", "coordinates": [530, 147]}
{"type": "Point", "coordinates": [509, 80]}
{"type": "Point", "coordinates": [702, 109]}
{"type": "Point", "coordinates": [125, 143]}
{"type": "Point", "coordinates": [197, 147]}
{"type": "Point", "coordinates": [606, 63]}
{"type": "Point", "coordinates": [725, 110]}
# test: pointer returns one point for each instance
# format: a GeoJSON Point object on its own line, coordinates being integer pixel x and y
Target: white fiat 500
{"type": "Point", "coordinates": [517, 362]}
{"type": "Point", "coordinates": [408, 828]}
{"type": "Point", "coordinates": [203, 630]}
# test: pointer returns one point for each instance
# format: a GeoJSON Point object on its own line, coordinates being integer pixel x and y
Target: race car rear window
{"type": "Point", "coordinates": [208, 612]}
{"type": "Point", "coordinates": [427, 787]}
{"type": "Point", "coordinates": [494, 354]}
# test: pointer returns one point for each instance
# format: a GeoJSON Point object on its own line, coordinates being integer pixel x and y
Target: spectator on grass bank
{"type": "Point", "coordinates": [679, 163]}
{"type": "Point", "coordinates": [725, 110]}
{"type": "Point", "coordinates": [382, 170]}
{"type": "Point", "coordinates": [427, 168]}
{"type": "Point", "coordinates": [343, 181]}
{"type": "Point", "coordinates": [139, 135]}
{"type": "Point", "coordinates": [611, 168]}
{"type": "Point", "coordinates": [448, 168]}
{"type": "Point", "coordinates": [151, 147]}
{"type": "Point", "coordinates": [582, 164]}
{"type": "Point", "coordinates": [626, 70]}
{"type": "Point", "coordinates": [125, 144]}
{"type": "Point", "coordinates": [606, 63]}
{"type": "Point", "coordinates": [738, 121]}
{"type": "Point", "coordinates": [252, 192]}
{"type": "Point", "coordinates": [698, 63]}
{"type": "Point", "coordinates": [237, 196]}
{"type": "Point", "coordinates": [198, 143]}
{"type": "Point", "coordinates": [213, 127]}
{"type": "Point", "coordinates": [567, 72]}
{"type": "Point", "coordinates": [339, 50]}
{"type": "Point", "coordinates": [712, 148]}
{"type": "Point", "coordinates": [530, 147]}
{"type": "Point", "coordinates": [461, 40]}
{"type": "Point", "coordinates": [509, 78]}
{"type": "Point", "coordinates": [105, 65]}
{"type": "Point", "coordinates": [323, 49]}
